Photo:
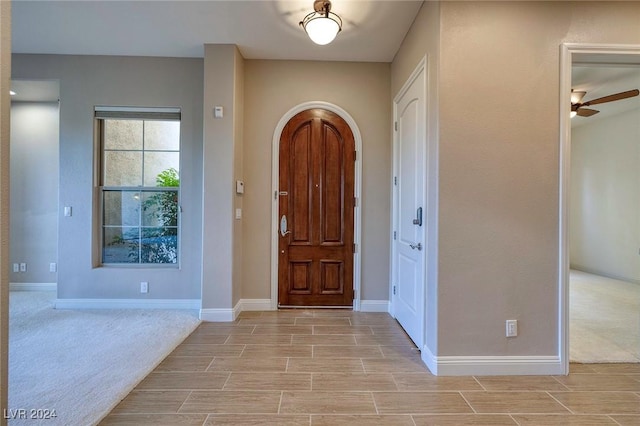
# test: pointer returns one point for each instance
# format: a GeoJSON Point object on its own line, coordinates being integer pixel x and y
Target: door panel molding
{"type": "Point", "coordinates": [275, 219]}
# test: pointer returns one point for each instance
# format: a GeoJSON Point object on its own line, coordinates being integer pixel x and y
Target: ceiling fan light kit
{"type": "Point", "coordinates": [578, 107]}
{"type": "Point", "coordinates": [322, 25]}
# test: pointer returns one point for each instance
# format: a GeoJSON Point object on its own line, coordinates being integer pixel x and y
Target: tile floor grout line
{"type": "Point", "coordinates": [206, 419]}
{"type": "Point", "coordinates": [224, 385]}
{"type": "Point", "coordinates": [395, 382]}
{"type": "Point", "coordinates": [614, 420]}
{"type": "Point", "coordinates": [480, 383]}
{"type": "Point", "coordinates": [242, 351]}
{"type": "Point", "coordinates": [413, 420]}
{"type": "Point", "coordinates": [374, 402]}
{"type": "Point", "coordinates": [555, 399]}
{"type": "Point", "coordinates": [514, 419]}
{"type": "Point", "coordinates": [280, 402]}
{"type": "Point", "coordinates": [558, 380]}
{"type": "Point", "coordinates": [467, 402]}
{"type": "Point", "coordinates": [185, 401]}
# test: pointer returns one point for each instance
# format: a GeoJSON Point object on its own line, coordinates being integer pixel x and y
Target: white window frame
{"type": "Point", "coordinates": [102, 113]}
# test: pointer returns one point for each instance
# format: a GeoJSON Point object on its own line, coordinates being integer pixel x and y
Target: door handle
{"type": "Point", "coordinates": [418, 219]}
{"type": "Point", "coordinates": [416, 246]}
{"type": "Point", "coordinates": [283, 226]}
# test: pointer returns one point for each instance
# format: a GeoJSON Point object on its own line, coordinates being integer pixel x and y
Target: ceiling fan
{"type": "Point", "coordinates": [578, 107]}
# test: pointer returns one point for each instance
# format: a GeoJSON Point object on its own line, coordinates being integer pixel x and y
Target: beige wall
{"type": "Point", "coordinates": [238, 132]}
{"type": "Point", "coordinates": [271, 89]}
{"type": "Point", "coordinates": [130, 81]}
{"type": "Point", "coordinates": [219, 228]}
{"type": "Point", "coordinates": [5, 78]}
{"type": "Point", "coordinates": [498, 165]}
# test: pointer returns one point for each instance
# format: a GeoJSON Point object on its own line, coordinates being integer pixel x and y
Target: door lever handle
{"type": "Point", "coordinates": [416, 246]}
{"type": "Point", "coordinates": [418, 219]}
{"type": "Point", "coordinates": [283, 226]}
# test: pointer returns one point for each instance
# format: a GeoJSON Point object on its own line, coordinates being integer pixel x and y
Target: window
{"type": "Point", "coordinates": [139, 183]}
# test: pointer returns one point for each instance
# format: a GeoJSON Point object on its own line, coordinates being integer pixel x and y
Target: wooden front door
{"type": "Point", "coordinates": [316, 201]}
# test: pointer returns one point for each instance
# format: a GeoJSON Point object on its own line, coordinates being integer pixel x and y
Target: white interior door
{"type": "Point", "coordinates": [409, 243]}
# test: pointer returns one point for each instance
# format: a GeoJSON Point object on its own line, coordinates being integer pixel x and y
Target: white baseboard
{"type": "Point", "coordinates": [33, 286]}
{"type": "Point", "coordinates": [228, 315]}
{"type": "Point", "coordinates": [255, 305]}
{"type": "Point", "coordinates": [492, 365]}
{"type": "Point", "coordinates": [217, 315]}
{"type": "Point", "coordinates": [374, 306]}
{"type": "Point", "coordinates": [188, 304]}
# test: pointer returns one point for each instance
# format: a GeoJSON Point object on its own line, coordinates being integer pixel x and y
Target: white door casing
{"type": "Point", "coordinates": [409, 248]}
{"type": "Point", "coordinates": [571, 53]}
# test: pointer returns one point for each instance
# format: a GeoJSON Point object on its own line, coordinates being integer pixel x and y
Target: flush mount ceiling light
{"type": "Point", "coordinates": [322, 25]}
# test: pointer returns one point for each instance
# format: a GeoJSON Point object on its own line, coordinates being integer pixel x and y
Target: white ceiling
{"type": "Point", "coordinates": [268, 29]}
{"type": "Point", "coordinates": [263, 29]}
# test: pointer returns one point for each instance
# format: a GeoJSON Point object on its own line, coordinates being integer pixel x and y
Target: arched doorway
{"type": "Point", "coordinates": [316, 217]}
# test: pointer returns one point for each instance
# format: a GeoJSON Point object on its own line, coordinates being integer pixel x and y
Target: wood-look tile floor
{"type": "Point", "coordinates": [334, 367]}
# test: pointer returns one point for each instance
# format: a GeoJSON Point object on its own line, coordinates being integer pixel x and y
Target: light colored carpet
{"type": "Point", "coordinates": [81, 363]}
{"type": "Point", "coordinates": [604, 319]}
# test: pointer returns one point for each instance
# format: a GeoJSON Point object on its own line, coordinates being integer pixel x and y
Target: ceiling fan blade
{"type": "Point", "coordinates": [586, 112]}
{"type": "Point", "coordinates": [611, 98]}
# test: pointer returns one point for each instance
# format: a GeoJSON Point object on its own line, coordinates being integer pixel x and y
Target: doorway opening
{"type": "Point", "coordinates": [34, 158]}
{"type": "Point", "coordinates": [573, 56]}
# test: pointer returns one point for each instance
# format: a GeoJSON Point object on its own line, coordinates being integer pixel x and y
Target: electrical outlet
{"type": "Point", "coordinates": [23, 267]}
{"type": "Point", "coordinates": [144, 287]}
{"type": "Point", "coordinates": [16, 267]}
{"type": "Point", "coordinates": [512, 328]}
{"type": "Point", "coordinates": [53, 267]}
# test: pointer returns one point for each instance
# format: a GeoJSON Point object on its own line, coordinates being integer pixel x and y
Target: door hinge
{"type": "Point", "coordinates": [355, 294]}
{"type": "Point", "coordinates": [396, 126]}
{"type": "Point", "coordinates": [395, 180]}
{"type": "Point", "coordinates": [355, 248]}
{"type": "Point", "coordinates": [355, 155]}
{"type": "Point", "coordinates": [394, 290]}
{"type": "Point", "coordinates": [395, 235]}
{"type": "Point", "coordinates": [355, 201]}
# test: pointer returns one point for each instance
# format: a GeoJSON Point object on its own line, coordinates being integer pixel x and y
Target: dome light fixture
{"type": "Point", "coordinates": [322, 25]}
